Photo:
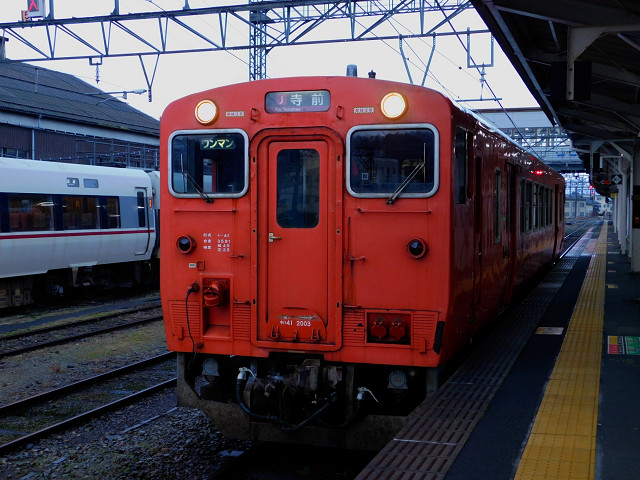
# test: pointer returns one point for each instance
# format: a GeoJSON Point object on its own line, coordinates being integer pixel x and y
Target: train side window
{"type": "Point", "coordinates": [79, 212]}
{"type": "Point", "coordinates": [541, 206]}
{"type": "Point", "coordinates": [523, 203]}
{"type": "Point", "coordinates": [545, 211]}
{"type": "Point", "coordinates": [549, 207]}
{"type": "Point", "coordinates": [113, 212]}
{"type": "Point", "coordinates": [526, 206]}
{"type": "Point", "coordinates": [30, 212]}
{"type": "Point", "coordinates": [5, 224]}
{"type": "Point", "coordinates": [399, 161]}
{"type": "Point", "coordinates": [497, 226]}
{"type": "Point", "coordinates": [461, 166]}
{"type": "Point", "coordinates": [529, 206]}
{"type": "Point", "coordinates": [142, 212]}
{"type": "Point", "coordinates": [210, 164]}
{"type": "Point", "coordinates": [109, 212]}
{"type": "Point", "coordinates": [535, 211]}
{"type": "Point", "coordinates": [298, 189]}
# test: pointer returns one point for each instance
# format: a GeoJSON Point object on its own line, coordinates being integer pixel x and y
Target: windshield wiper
{"type": "Point", "coordinates": [197, 188]}
{"type": "Point", "coordinates": [411, 176]}
{"type": "Point", "coordinates": [194, 184]}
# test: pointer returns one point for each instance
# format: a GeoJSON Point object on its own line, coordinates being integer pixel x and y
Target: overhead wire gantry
{"type": "Point", "coordinates": [148, 35]}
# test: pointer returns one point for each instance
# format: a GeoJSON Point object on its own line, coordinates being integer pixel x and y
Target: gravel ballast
{"type": "Point", "coordinates": [151, 439]}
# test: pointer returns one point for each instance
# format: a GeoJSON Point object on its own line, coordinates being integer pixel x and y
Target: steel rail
{"type": "Point", "coordinates": [128, 400]}
{"type": "Point", "coordinates": [72, 387]}
{"type": "Point", "coordinates": [578, 234]}
{"type": "Point", "coordinates": [83, 417]}
{"type": "Point", "coordinates": [72, 338]}
{"type": "Point", "coordinates": [85, 321]}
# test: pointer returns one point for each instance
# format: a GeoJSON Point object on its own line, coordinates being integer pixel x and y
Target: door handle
{"type": "Point", "coordinates": [272, 237]}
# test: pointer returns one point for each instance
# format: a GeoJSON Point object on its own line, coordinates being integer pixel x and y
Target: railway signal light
{"type": "Point", "coordinates": [35, 9]}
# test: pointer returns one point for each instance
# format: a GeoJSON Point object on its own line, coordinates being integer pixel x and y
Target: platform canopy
{"type": "Point", "coordinates": [580, 59]}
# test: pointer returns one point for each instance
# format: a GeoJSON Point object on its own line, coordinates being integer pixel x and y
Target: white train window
{"type": "Point", "coordinates": [142, 212]}
{"type": "Point", "coordinates": [79, 212]}
{"type": "Point", "coordinates": [113, 212]}
{"type": "Point", "coordinates": [30, 212]}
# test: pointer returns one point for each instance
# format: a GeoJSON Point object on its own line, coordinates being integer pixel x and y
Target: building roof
{"type": "Point", "coordinates": [37, 91]}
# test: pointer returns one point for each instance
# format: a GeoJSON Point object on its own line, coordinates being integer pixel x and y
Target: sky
{"type": "Point", "coordinates": [178, 75]}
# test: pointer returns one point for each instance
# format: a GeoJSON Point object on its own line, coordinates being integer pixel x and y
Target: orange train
{"type": "Point", "coordinates": [329, 242]}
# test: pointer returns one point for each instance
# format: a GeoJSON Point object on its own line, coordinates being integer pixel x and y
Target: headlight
{"type": "Point", "coordinates": [393, 105]}
{"type": "Point", "coordinates": [206, 112]}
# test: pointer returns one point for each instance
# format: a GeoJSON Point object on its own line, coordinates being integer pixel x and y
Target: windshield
{"type": "Point", "coordinates": [398, 162]}
{"type": "Point", "coordinates": [213, 164]}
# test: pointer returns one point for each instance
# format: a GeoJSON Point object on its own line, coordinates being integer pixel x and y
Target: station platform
{"type": "Point", "coordinates": [552, 393]}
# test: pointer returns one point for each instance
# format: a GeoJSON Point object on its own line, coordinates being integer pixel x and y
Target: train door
{"type": "Point", "coordinates": [477, 227]}
{"type": "Point", "coordinates": [510, 237]}
{"type": "Point", "coordinates": [297, 266]}
{"type": "Point", "coordinates": [559, 218]}
{"type": "Point", "coordinates": [142, 239]}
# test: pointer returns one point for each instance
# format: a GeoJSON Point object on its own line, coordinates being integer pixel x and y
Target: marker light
{"type": "Point", "coordinates": [393, 105]}
{"type": "Point", "coordinates": [185, 243]}
{"type": "Point", "coordinates": [206, 112]}
{"type": "Point", "coordinates": [417, 248]}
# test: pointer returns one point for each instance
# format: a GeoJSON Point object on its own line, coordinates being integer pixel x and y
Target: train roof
{"type": "Point", "coordinates": [308, 82]}
{"type": "Point", "coordinates": [33, 90]}
{"type": "Point", "coordinates": [33, 176]}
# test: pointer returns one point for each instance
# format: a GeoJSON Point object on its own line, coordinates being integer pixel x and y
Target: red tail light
{"type": "Point", "coordinates": [389, 327]}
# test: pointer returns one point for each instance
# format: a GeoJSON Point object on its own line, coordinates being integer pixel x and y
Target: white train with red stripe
{"type": "Point", "coordinates": [65, 225]}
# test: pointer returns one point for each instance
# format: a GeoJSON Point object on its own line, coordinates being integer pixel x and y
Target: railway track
{"type": "Point", "coordinates": [35, 417]}
{"type": "Point", "coordinates": [576, 232]}
{"type": "Point", "coordinates": [74, 330]}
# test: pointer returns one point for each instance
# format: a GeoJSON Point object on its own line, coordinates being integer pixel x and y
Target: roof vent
{"type": "Point", "coordinates": [352, 70]}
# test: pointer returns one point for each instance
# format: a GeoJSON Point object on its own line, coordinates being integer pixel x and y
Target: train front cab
{"type": "Point", "coordinates": [329, 273]}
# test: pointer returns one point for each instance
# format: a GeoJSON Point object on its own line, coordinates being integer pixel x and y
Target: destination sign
{"type": "Point", "coordinates": [217, 143]}
{"type": "Point", "coordinates": [298, 101]}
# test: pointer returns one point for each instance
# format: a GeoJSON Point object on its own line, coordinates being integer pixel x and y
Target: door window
{"type": "Point", "coordinates": [298, 188]}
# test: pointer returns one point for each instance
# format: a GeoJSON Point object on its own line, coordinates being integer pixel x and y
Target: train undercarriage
{"type": "Point", "coordinates": [303, 399]}
{"type": "Point", "coordinates": [48, 287]}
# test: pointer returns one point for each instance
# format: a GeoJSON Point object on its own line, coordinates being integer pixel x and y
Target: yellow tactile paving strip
{"type": "Point", "coordinates": [562, 442]}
